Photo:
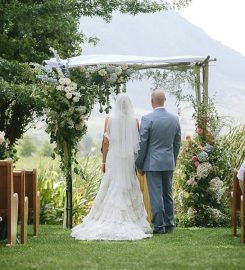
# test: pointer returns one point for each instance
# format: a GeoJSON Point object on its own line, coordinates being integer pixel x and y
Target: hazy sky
{"type": "Point", "coordinates": [223, 20]}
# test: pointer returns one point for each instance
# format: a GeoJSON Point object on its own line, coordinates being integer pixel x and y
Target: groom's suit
{"type": "Point", "coordinates": [160, 139]}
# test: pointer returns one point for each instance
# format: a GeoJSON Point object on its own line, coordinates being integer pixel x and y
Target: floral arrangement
{"type": "Point", "coordinates": [200, 180]}
{"type": "Point", "coordinates": [106, 80]}
{"type": "Point", "coordinates": [109, 75]}
{"type": "Point", "coordinates": [200, 184]}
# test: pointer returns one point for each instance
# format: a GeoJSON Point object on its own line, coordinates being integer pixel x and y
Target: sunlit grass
{"type": "Point", "coordinates": [194, 248]}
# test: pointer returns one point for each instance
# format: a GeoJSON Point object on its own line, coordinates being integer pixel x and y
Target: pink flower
{"type": "Point", "coordinates": [196, 163]}
{"type": "Point", "coordinates": [199, 131]}
{"type": "Point", "coordinates": [194, 158]}
{"type": "Point", "coordinates": [190, 181]}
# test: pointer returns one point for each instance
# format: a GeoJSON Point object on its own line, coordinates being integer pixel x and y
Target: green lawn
{"type": "Point", "coordinates": [184, 249]}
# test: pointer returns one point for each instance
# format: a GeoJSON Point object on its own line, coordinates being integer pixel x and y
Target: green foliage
{"type": "Point", "coordinates": [234, 145]}
{"type": "Point", "coordinates": [172, 81]}
{"type": "Point", "coordinates": [19, 105]}
{"type": "Point", "coordinates": [86, 187]}
{"type": "Point", "coordinates": [52, 189]}
{"type": "Point", "coordinates": [28, 29]}
{"type": "Point", "coordinates": [51, 184]}
{"type": "Point", "coordinates": [5, 150]}
{"type": "Point", "coordinates": [27, 147]}
{"type": "Point", "coordinates": [46, 149]}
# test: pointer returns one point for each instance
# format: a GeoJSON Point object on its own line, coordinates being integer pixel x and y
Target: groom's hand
{"type": "Point", "coordinates": [141, 172]}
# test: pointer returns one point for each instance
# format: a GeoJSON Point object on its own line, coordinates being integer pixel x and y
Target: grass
{"type": "Point", "coordinates": [193, 248]}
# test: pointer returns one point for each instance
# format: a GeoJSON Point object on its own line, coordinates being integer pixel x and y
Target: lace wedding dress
{"type": "Point", "coordinates": [118, 211]}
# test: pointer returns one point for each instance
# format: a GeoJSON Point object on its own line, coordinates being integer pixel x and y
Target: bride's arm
{"type": "Point", "coordinates": [105, 145]}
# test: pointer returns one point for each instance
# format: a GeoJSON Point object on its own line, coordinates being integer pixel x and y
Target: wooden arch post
{"type": "Point", "coordinates": [201, 90]}
{"type": "Point", "coordinates": [205, 71]}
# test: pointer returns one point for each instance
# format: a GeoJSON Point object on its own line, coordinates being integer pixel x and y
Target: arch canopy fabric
{"type": "Point", "coordinates": [144, 61]}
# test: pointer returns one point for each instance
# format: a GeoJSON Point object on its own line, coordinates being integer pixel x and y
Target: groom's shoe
{"type": "Point", "coordinates": [159, 231]}
{"type": "Point", "coordinates": [169, 229]}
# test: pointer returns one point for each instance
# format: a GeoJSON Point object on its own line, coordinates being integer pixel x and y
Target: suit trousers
{"type": "Point", "coordinates": [161, 197]}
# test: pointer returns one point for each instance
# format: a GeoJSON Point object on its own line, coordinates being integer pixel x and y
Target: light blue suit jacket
{"type": "Point", "coordinates": [160, 138]}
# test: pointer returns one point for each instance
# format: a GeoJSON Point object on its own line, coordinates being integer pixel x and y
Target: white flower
{"type": "Point", "coordinates": [81, 109]}
{"type": "Point", "coordinates": [79, 126]}
{"type": "Point", "coordinates": [113, 78]}
{"type": "Point", "coordinates": [77, 94]}
{"type": "Point", "coordinates": [102, 72]}
{"type": "Point", "coordinates": [118, 70]}
{"type": "Point", "coordinates": [2, 137]}
{"type": "Point", "coordinates": [64, 81]}
{"type": "Point", "coordinates": [181, 197]}
{"type": "Point", "coordinates": [68, 95]}
{"type": "Point", "coordinates": [124, 67]}
{"type": "Point", "coordinates": [191, 212]}
{"type": "Point", "coordinates": [60, 88]}
{"type": "Point", "coordinates": [216, 186]}
{"type": "Point", "coordinates": [203, 170]}
{"type": "Point", "coordinates": [75, 99]}
{"type": "Point", "coordinates": [73, 86]}
{"type": "Point", "coordinates": [215, 213]}
{"type": "Point", "coordinates": [67, 89]}
{"type": "Point", "coordinates": [111, 69]}
{"type": "Point", "coordinates": [191, 181]}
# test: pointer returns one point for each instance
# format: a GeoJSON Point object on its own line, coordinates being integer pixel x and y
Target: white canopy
{"type": "Point", "coordinates": [90, 60]}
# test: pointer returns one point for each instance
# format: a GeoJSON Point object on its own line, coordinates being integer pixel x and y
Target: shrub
{"type": "Point", "coordinates": [51, 185]}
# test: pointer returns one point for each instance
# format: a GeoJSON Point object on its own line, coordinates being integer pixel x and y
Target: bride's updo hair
{"type": "Point", "coordinates": [123, 105]}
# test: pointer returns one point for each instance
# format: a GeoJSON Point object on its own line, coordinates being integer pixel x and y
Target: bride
{"type": "Point", "coordinates": [118, 211]}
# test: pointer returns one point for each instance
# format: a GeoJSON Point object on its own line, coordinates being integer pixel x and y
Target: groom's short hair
{"type": "Point", "coordinates": [158, 96]}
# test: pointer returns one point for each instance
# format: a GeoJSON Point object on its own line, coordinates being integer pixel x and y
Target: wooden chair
{"type": "Point", "coordinates": [235, 202]}
{"type": "Point", "coordinates": [8, 200]}
{"type": "Point", "coordinates": [19, 187]}
{"type": "Point", "coordinates": [33, 198]}
{"type": "Point", "coordinates": [237, 205]}
{"type": "Point", "coordinates": [243, 211]}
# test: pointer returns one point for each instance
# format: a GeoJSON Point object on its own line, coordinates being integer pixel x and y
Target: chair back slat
{"type": "Point", "coordinates": [237, 192]}
{"type": "Point", "coordinates": [19, 187]}
{"type": "Point", "coordinates": [31, 187]}
{"type": "Point", "coordinates": [6, 185]}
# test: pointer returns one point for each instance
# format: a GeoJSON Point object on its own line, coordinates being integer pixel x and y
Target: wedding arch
{"type": "Point", "coordinates": [107, 72]}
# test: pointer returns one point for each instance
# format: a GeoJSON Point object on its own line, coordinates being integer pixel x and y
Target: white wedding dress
{"type": "Point", "coordinates": [118, 211]}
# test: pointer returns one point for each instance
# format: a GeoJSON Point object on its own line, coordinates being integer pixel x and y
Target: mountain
{"type": "Point", "coordinates": [169, 34]}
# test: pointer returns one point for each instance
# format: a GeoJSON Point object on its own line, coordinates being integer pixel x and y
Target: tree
{"type": "Point", "coordinates": [47, 149]}
{"type": "Point", "coordinates": [27, 147]}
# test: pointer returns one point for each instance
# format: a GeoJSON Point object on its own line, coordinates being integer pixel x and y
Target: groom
{"type": "Point", "coordinates": [160, 139]}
